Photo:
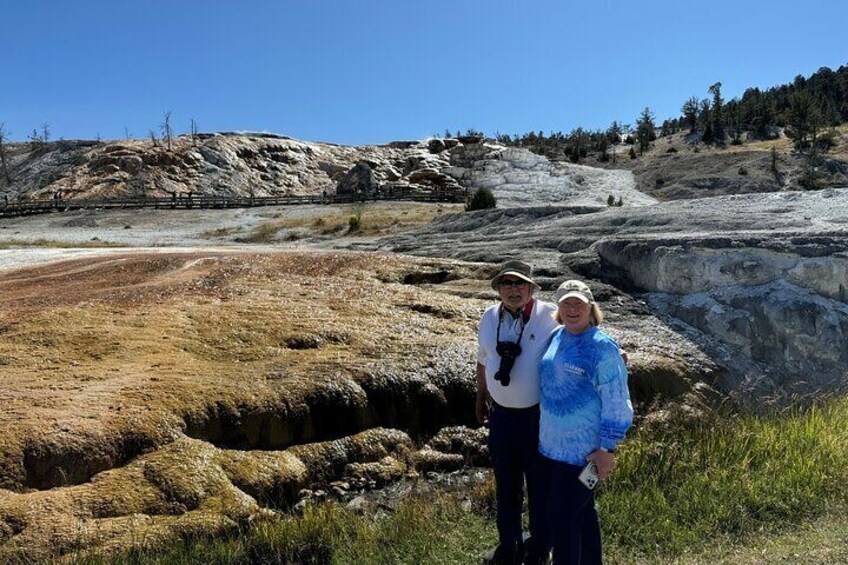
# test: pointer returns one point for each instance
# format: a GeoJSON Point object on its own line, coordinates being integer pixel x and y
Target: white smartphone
{"type": "Point", "coordinates": [589, 476]}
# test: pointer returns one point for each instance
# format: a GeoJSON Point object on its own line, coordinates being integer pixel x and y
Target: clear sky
{"type": "Point", "coordinates": [372, 71]}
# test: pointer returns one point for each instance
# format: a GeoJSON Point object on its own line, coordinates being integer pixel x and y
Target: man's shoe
{"type": "Point", "coordinates": [537, 558]}
{"type": "Point", "coordinates": [534, 555]}
{"type": "Point", "coordinates": [508, 554]}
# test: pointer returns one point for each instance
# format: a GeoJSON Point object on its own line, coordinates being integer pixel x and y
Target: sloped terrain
{"type": "Point", "coordinates": [152, 396]}
{"type": "Point", "coordinates": [759, 281]}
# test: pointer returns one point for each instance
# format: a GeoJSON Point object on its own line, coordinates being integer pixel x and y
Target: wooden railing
{"type": "Point", "coordinates": [30, 207]}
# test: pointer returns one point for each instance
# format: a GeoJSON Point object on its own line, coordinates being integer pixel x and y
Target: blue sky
{"type": "Point", "coordinates": [375, 71]}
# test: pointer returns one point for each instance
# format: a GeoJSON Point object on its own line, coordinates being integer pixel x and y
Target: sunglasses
{"type": "Point", "coordinates": [513, 284]}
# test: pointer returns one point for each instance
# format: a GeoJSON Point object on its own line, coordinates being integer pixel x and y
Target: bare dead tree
{"type": "Point", "coordinates": [127, 133]}
{"type": "Point", "coordinates": [167, 132]}
{"type": "Point", "coordinates": [3, 136]}
{"type": "Point", "coordinates": [45, 132]}
{"type": "Point", "coordinates": [153, 138]}
{"type": "Point", "coordinates": [193, 125]}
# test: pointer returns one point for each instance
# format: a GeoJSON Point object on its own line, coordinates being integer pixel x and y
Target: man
{"type": "Point", "coordinates": [512, 337]}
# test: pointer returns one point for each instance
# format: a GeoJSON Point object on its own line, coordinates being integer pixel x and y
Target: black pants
{"type": "Point", "coordinates": [513, 446]}
{"type": "Point", "coordinates": [571, 516]}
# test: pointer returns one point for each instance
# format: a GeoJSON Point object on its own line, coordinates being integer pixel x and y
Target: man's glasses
{"type": "Point", "coordinates": [513, 284]}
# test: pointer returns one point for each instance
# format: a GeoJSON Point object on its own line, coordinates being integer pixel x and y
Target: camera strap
{"type": "Point", "coordinates": [525, 318]}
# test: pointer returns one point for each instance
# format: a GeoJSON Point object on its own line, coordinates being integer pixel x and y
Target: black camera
{"type": "Point", "coordinates": [508, 352]}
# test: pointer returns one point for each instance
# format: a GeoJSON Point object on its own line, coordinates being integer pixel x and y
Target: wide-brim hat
{"type": "Point", "coordinates": [515, 268]}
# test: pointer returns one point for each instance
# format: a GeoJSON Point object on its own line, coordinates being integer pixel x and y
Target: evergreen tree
{"type": "Point", "coordinates": [717, 114]}
{"type": "Point", "coordinates": [614, 132]}
{"type": "Point", "coordinates": [706, 121]}
{"type": "Point", "coordinates": [734, 113]}
{"type": "Point", "coordinates": [690, 111]}
{"type": "Point", "coordinates": [645, 130]}
{"type": "Point", "coordinates": [803, 120]}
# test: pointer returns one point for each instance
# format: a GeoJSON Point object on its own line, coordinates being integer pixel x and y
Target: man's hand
{"type": "Point", "coordinates": [482, 410]}
{"type": "Point", "coordinates": [604, 460]}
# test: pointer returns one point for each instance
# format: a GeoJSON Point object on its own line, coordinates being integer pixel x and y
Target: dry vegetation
{"type": "Point", "coordinates": [107, 365]}
{"type": "Point", "coordinates": [371, 219]}
{"type": "Point", "coordinates": [58, 243]}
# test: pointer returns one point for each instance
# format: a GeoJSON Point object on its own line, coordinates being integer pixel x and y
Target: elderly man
{"type": "Point", "coordinates": [512, 337]}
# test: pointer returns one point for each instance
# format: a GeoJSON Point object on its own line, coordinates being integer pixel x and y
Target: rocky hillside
{"type": "Point", "coordinates": [678, 167]}
{"type": "Point", "coordinates": [758, 281]}
{"type": "Point", "coordinates": [259, 165]}
{"type": "Point", "coordinates": [244, 165]}
{"type": "Point", "coordinates": [225, 164]}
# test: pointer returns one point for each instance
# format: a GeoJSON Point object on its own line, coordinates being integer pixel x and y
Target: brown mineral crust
{"type": "Point", "coordinates": [105, 366]}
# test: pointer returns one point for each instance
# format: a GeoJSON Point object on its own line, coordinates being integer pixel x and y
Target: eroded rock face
{"type": "Point", "coordinates": [757, 281]}
{"type": "Point", "coordinates": [225, 164]}
{"type": "Point", "coordinates": [359, 180]}
{"type": "Point", "coordinates": [785, 313]}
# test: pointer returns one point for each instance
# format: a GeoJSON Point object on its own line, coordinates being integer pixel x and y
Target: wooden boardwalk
{"type": "Point", "coordinates": [184, 202]}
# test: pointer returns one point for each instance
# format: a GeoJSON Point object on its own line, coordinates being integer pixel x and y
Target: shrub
{"type": "Point", "coordinates": [263, 233]}
{"type": "Point", "coordinates": [483, 199]}
{"type": "Point", "coordinates": [671, 150]}
{"type": "Point", "coordinates": [826, 140]}
{"type": "Point", "coordinates": [354, 223]}
{"type": "Point", "coordinates": [610, 200]}
{"type": "Point", "coordinates": [743, 170]}
{"type": "Point", "coordinates": [632, 153]}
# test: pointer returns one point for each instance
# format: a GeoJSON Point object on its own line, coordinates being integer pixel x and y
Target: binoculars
{"type": "Point", "coordinates": [508, 352]}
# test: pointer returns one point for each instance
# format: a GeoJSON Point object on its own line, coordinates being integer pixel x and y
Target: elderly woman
{"type": "Point", "coordinates": [585, 413]}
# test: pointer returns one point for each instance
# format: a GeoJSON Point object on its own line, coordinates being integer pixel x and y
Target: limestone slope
{"type": "Point", "coordinates": [759, 281]}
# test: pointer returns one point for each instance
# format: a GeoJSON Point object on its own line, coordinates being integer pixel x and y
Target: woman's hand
{"type": "Point", "coordinates": [604, 460]}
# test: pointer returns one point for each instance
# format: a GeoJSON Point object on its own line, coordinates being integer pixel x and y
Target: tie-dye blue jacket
{"type": "Point", "coordinates": [585, 403]}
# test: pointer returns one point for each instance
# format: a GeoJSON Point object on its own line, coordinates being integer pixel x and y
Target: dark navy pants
{"type": "Point", "coordinates": [513, 446]}
{"type": "Point", "coordinates": [571, 516]}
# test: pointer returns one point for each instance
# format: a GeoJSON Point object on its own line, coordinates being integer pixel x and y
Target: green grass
{"type": "Point", "coordinates": [419, 531]}
{"type": "Point", "coordinates": [689, 491]}
{"type": "Point", "coordinates": [691, 484]}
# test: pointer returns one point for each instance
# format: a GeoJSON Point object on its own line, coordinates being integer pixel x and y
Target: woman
{"type": "Point", "coordinates": [585, 413]}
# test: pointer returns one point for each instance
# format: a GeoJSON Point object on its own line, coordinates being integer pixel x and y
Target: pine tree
{"type": "Point", "coordinates": [690, 113]}
{"type": "Point", "coordinates": [717, 114]}
{"type": "Point", "coordinates": [645, 130]}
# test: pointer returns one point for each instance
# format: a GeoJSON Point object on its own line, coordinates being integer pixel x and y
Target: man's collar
{"type": "Point", "coordinates": [525, 312]}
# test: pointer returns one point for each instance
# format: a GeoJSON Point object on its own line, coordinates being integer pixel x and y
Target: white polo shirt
{"type": "Point", "coordinates": [523, 389]}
